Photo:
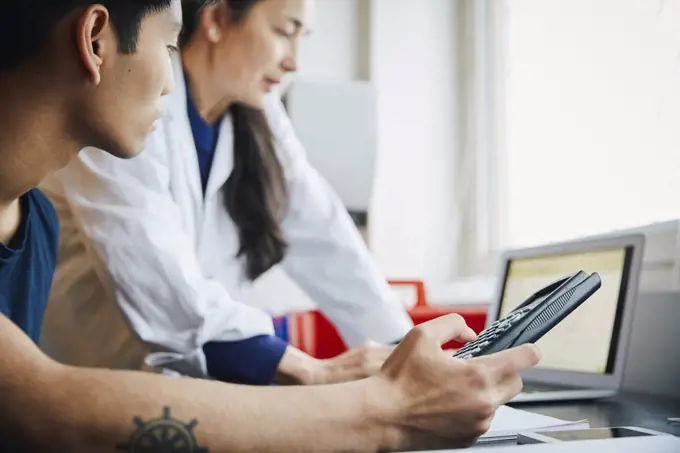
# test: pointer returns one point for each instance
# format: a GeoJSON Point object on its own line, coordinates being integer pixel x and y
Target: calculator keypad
{"type": "Point", "coordinates": [488, 336]}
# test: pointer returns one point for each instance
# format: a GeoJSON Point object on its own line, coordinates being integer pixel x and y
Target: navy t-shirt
{"type": "Point", "coordinates": [27, 264]}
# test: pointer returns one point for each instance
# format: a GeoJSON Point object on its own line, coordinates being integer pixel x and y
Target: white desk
{"type": "Point", "coordinates": [653, 444]}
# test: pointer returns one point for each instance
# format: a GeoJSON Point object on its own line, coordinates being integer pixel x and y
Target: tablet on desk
{"type": "Point", "coordinates": [554, 437]}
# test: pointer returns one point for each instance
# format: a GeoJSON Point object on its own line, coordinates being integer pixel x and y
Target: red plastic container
{"type": "Point", "coordinates": [314, 334]}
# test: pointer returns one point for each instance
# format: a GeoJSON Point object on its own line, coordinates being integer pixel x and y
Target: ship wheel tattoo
{"type": "Point", "coordinates": [163, 435]}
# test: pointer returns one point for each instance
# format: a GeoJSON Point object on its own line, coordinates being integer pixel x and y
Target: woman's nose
{"type": "Point", "coordinates": [289, 65]}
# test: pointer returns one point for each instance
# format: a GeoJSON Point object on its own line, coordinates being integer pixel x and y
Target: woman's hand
{"type": "Point", "coordinates": [358, 363]}
{"type": "Point", "coordinates": [296, 367]}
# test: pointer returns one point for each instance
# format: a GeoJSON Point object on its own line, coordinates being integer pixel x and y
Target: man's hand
{"type": "Point", "coordinates": [433, 400]}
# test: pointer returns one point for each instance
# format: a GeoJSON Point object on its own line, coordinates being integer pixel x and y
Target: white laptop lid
{"type": "Point", "coordinates": [589, 347]}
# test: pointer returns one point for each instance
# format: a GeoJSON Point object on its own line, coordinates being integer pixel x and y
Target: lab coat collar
{"type": "Point", "coordinates": [178, 116]}
{"type": "Point", "coordinates": [223, 160]}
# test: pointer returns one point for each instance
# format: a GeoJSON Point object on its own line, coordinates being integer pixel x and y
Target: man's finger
{"type": "Point", "coordinates": [447, 328]}
{"type": "Point", "coordinates": [467, 335]}
{"type": "Point", "coordinates": [510, 389]}
{"type": "Point", "coordinates": [506, 364]}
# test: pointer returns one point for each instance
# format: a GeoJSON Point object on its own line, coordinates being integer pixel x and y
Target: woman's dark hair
{"type": "Point", "coordinates": [256, 191]}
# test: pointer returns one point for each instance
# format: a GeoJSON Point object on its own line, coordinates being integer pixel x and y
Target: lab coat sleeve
{"type": "Point", "coordinates": [135, 231]}
{"type": "Point", "coordinates": [327, 257]}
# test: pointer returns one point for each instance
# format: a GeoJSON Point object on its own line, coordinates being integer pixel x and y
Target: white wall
{"type": "Point", "coordinates": [413, 65]}
{"type": "Point", "coordinates": [333, 50]}
{"type": "Point", "coordinates": [407, 49]}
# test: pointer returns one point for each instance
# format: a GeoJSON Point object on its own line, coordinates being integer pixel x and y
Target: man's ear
{"type": "Point", "coordinates": [94, 40]}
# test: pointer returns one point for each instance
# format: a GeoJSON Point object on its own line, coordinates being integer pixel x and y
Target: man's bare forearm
{"type": "Point", "coordinates": [48, 407]}
{"type": "Point", "coordinates": [109, 411]}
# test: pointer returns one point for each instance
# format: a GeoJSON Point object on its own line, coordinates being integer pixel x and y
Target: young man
{"type": "Point", "coordinates": [75, 73]}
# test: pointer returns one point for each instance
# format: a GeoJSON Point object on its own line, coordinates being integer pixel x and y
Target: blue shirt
{"type": "Point", "coordinates": [27, 264]}
{"type": "Point", "coordinates": [205, 138]}
{"type": "Point", "coordinates": [254, 360]}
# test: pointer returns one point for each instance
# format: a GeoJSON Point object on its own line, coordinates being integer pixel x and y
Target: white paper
{"type": "Point", "coordinates": [508, 422]}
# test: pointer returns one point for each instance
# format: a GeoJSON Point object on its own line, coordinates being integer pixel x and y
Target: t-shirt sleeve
{"type": "Point", "coordinates": [49, 220]}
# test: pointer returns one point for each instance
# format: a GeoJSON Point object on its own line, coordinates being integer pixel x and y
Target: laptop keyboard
{"type": "Point", "coordinates": [531, 387]}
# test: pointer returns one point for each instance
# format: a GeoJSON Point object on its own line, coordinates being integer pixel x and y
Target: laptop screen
{"type": "Point", "coordinates": [586, 340]}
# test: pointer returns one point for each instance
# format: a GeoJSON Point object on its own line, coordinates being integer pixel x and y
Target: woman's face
{"type": "Point", "coordinates": [254, 54]}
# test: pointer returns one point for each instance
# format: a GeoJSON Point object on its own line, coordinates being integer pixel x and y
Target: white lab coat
{"type": "Point", "coordinates": [148, 263]}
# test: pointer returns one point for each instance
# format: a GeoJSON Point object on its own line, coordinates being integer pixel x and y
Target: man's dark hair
{"type": "Point", "coordinates": [27, 25]}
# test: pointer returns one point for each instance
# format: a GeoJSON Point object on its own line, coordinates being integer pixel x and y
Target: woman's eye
{"type": "Point", "coordinates": [285, 33]}
{"type": "Point", "coordinates": [172, 49]}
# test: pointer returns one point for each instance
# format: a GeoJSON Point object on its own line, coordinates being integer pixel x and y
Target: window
{"type": "Point", "coordinates": [589, 110]}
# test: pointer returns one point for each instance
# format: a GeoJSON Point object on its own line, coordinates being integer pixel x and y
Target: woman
{"type": "Point", "coordinates": [158, 253]}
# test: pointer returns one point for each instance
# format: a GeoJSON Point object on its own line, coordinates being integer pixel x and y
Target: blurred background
{"type": "Point", "coordinates": [456, 129]}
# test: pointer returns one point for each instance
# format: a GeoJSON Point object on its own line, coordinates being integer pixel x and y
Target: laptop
{"type": "Point", "coordinates": [583, 356]}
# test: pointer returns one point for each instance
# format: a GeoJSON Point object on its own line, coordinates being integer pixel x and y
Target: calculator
{"type": "Point", "coordinates": [535, 317]}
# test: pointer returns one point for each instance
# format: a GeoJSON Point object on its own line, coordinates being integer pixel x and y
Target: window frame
{"type": "Point", "coordinates": [483, 33]}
